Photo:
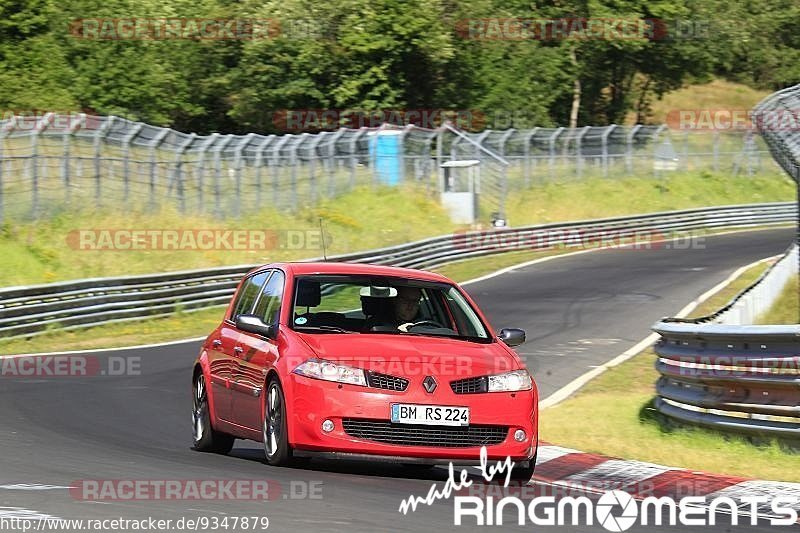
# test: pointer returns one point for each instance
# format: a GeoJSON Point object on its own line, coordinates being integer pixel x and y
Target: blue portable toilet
{"type": "Point", "coordinates": [386, 154]}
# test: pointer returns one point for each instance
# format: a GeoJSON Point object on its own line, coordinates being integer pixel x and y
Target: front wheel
{"type": "Point", "coordinates": [206, 439]}
{"type": "Point", "coordinates": [523, 471]}
{"type": "Point", "coordinates": [275, 434]}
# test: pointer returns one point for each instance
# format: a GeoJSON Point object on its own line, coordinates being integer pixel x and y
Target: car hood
{"type": "Point", "coordinates": [413, 355]}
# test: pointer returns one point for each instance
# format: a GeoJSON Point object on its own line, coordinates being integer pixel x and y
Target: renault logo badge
{"type": "Point", "coordinates": [429, 383]}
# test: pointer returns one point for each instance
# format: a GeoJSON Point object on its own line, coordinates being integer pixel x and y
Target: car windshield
{"type": "Point", "coordinates": [385, 305]}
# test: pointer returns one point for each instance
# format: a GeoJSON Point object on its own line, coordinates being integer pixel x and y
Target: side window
{"type": "Point", "coordinates": [268, 307]}
{"type": "Point", "coordinates": [250, 290]}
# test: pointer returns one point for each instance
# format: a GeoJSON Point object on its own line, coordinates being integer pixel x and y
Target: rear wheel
{"type": "Point", "coordinates": [275, 434]}
{"type": "Point", "coordinates": [206, 439]}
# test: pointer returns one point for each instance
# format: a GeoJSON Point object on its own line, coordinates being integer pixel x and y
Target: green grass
{"type": "Point", "coordinates": [729, 291]}
{"type": "Point", "coordinates": [785, 308]}
{"type": "Point", "coordinates": [621, 422]}
{"type": "Point", "coordinates": [597, 197]}
{"type": "Point", "coordinates": [718, 94]}
{"type": "Point", "coordinates": [363, 219]}
{"type": "Point", "coordinates": [32, 253]}
{"type": "Point", "coordinates": [179, 326]}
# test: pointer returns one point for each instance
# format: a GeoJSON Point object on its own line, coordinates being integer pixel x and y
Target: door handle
{"type": "Point", "coordinates": [238, 351]}
{"type": "Point", "coordinates": [216, 343]}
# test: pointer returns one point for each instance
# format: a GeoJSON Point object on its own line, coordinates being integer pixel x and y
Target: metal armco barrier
{"type": "Point", "coordinates": [734, 378]}
{"type": "Point", "coordinates": [28, 311]}
{"type": "Point", "coordinates": [741, 378]}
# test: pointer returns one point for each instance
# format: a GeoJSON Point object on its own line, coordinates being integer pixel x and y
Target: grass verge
{"type": "Point", "coordinates": [365, 218]}
{"type": "Point", "coordinates": [715, 95]}
{"type": "Point", "coordinates": [785, 308]}
{"type": "Point", "coordinates": [621, 422]}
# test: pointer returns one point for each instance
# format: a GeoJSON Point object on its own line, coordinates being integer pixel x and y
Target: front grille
{"type": "Point", "coordinates": [420, 435]}
{"type": "Point", "coordinates": [385, 381]}
{"type": "Point", "coordinates": [470, 385]}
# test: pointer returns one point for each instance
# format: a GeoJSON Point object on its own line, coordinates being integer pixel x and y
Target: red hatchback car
{"type": "Point", "coordinates": [363, 361]}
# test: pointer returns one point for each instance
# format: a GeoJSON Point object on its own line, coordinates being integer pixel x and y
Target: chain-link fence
{"type": "Point", "coordinates": [53, 162]}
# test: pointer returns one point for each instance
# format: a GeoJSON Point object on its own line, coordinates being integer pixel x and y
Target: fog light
{"type": "Point", "coordinates": [519, 435]}
{"type": "Point", "coordinates": [327, 426]}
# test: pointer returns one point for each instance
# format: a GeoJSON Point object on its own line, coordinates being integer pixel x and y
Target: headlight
{"type": "Point", "coordinates": [318, 369]}
{"type": "Point", "coordinates": [510, 381]}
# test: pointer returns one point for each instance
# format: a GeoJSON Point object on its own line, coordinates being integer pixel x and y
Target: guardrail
{"type": "Point", "coordinates": [28, 311]}
{"type": "Point", "coordinates": [735, 378]}
{"type": "Point", "coordinates": [718, 373]}
{"type": "Point", "coordinates": [743, 378]}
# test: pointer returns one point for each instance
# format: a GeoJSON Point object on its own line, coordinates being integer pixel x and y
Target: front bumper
{"type": "Point", "coordinates": [311, 401]}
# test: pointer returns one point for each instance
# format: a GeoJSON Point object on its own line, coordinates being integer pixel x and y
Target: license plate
{"type": "Point", "coordinates": [432, 415]}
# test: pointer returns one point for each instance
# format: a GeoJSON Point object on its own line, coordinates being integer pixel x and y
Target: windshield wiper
{"type": "Point", "coordinates": [332, 329]}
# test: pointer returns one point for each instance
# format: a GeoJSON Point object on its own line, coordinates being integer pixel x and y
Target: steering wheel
{"type": "Point", "coordinates": [409, 325]}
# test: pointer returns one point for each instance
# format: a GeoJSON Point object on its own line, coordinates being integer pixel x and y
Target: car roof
{"type": "Point", "coordinates": [300, 269]}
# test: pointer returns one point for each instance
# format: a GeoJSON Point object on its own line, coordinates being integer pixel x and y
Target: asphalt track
{"type": "Point", "coordinates": [579, 312]}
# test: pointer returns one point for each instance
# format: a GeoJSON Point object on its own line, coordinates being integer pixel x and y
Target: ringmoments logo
{"type": "Point", "coordinates": [615, 510]}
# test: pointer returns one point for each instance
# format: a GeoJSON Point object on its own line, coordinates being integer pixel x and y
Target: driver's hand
{"type": "Point", "coordinates": [404, 327]}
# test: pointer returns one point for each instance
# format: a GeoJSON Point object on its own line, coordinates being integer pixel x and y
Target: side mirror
{"type": "Point", "coordinates": [253, 324]}
{"type": "Point", "coordinates": [512, 336]}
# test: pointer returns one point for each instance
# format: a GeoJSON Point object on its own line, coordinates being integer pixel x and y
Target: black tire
{"type": "Point", "coordinates": [206, 438]}
{"type": "Point", "coordinates": [419, 467]}
{"type": "Point", "coordinates": [523, 471]}
{"type": "Point", "coordinates": [274, 429]}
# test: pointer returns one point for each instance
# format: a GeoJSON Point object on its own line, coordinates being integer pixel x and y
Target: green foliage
{"type": "Point", "coordinates": [382, 54]}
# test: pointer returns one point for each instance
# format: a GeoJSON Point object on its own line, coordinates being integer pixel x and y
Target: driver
{"type": "Point", "coordinates": [406, 306]}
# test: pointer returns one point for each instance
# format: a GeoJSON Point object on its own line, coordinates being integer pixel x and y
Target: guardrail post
{"type": "Point", "coordinates": [265, 142]}
{"type": "Point", "coordinates": [98, 179]}
{"type": "Point", "coordinates": [629, 147]}
{"type": "Point", "coordinates": [332, 155]}
{"type": "Point", "coordinates": [278, 164]}
{"type": "Point", "coordinates": [237, 171]}
{"type": "Point", "coordinates": [579, 149]}
{"type": "Point", "coordinates": [504, 172]}
{"type": "Point", "coordinates": [41, 125]}
{"type": "Point", "coordinates": [530, 162]}
{"type": "Point", "coordinates": [551, 142]}
{"type": "Point", "coordinates": [179, 181]}
{"type": "Point", "coordinates": [604, 143]}
{"type": "Point", "coordinates": [153, 174]}
{"type": "Point", "coordinates": [201, 170]}
{"type": "Point", "coordinates": [8, 126]}
{"type": "Point", "coordinates": [312, 163]}
{"type": "Point", "coordinates": [66, 156]}
{"type": "Point", "coordinates": [126, 158]}
{"type": "Point", "coordinates": [218, 172]}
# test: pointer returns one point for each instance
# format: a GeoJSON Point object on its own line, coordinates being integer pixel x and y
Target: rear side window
{"type": "Point", "coordinates": [250, 290]}
{"type": "Point", "coordinates": [268, 307]}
